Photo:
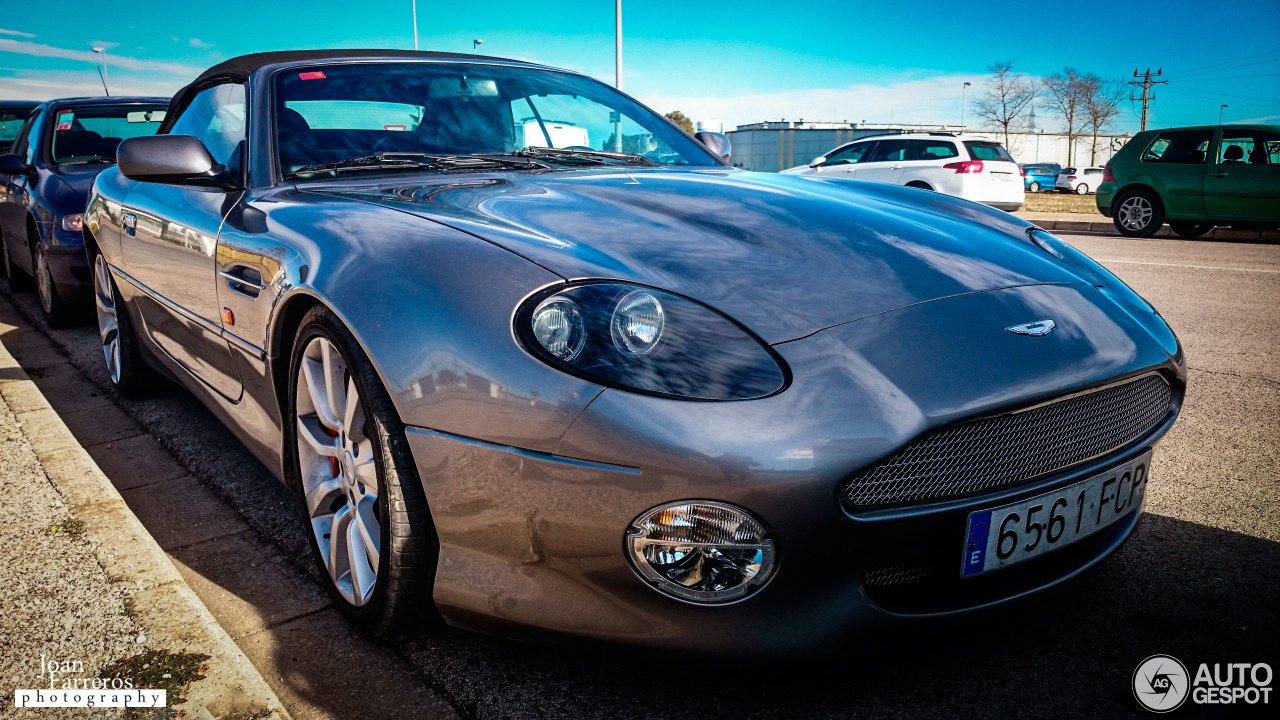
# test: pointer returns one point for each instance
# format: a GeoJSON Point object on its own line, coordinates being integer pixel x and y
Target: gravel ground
{"type": "Point", "coordinates": [1199, 579]}
{"type": "Point", "coordinates": [55, 598]}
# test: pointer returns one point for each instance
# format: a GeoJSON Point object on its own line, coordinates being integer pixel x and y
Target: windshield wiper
{"type": "Point", "coordinates": [594, 157]}
{"type": "Point", "coordinates": [412, 161]}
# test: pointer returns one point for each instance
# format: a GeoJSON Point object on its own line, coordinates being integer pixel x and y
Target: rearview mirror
{"type": "Point", "coordinates": [12, 164]}
{"type": "Point", "coordinates": [176, 159]}
{"type": "Point", "coordinates": [817, 161]}
{"type": "Point", "coordinates": [717, 143]}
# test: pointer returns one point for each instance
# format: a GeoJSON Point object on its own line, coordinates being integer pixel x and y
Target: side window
{"type": "Point", "coordinates": [25, 145]}
{"type": "Point", "coordinates": [1184, 146]}
{"type": "Point", "coordinates": [930, 150]}
{"type": "Point", "coordinates": [889, 151]}
{"type": "Point", "coordinates": [216, 116]}
{"type": "Point", "coordinates": [850, 155]}
{"type": "Point", "coordinates": [1241, 148]}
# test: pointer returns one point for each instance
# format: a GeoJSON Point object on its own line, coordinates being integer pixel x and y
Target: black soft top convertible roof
{"type": "Point", "coordinates": [240, 68]}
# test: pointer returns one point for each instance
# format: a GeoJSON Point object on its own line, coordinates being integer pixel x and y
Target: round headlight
{"type": "Point", "coordinates": [558, 327]}
{"type": "Point", "coordinates": [637, 323]}
{"type": "Point", "coordinates": [704, 552]}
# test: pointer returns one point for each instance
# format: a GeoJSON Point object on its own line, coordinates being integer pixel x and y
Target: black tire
{"type": "Point", "coordinates": [1138, 213]}
{"type": "Point", "coordinates": [18, 280]}
{"type": "Point", "coordinates": [919, 185]}
{"type": "Point", "coordinates": [131, 377]}
{"type": "Point", "coordinates": [1189, 230]}
{"type": "Point", "coordinates": [409, 546]}
{"type": "Point", "coordinates": [1034, 187]}
{"type": "Point", "coordinates": [57, 312]}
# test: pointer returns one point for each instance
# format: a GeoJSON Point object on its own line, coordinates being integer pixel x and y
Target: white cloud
{"type": "Point", "coordinates": [934, 100]}
{"type": "Point", "coordinates": [104, 44]}
{"type": "Point", "coordinates": [19, 33]}
{"type": "Point", "coordinates": [46, 84]}
{"type": "Point", "coordinates": [198, 43]}
{"type": "Point", "coordinates": [22, 47]}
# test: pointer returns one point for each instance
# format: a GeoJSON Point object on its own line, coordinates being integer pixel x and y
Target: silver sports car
{"type": "Point", "coordinates": [535, 360]}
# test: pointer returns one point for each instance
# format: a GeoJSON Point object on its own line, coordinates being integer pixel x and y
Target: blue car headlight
{"type": "Point", "coordinates": [649, 341]}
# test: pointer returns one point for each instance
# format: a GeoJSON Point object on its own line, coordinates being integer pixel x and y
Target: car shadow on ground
{"type": "Point", "coordinates": [1198, 593]}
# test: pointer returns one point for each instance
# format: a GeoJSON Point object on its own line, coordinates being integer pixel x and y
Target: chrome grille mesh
{"type": "Point", "coordinates": [1002, 450]}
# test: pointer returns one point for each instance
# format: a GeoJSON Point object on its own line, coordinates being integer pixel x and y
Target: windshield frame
{"type": "Point", "coordinates": [267, 92]}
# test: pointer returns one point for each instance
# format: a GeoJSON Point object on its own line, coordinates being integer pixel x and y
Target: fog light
{"type": "Point", "coordinates": [705, 552]}
{"type": "Point", "coordinates": [73, 223]}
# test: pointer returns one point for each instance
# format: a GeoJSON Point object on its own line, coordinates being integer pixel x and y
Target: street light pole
{"type": "Point", "coordinates": [1220, 109]}
{"type": "Point", "coordinates": [475, 44]}
{"type": "Point", "coordinates": [103, 50]}
{"type": "Point", "coordinates": [415, 24]}
{"type": "Point", "coordinates": [963, 90]}
{"type": "Point", "coordinates": [617, 44]}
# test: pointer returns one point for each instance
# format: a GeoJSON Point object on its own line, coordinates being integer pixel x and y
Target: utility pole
{"type": "Point", "coordinates": [617, 44]}
{"type": "Point", "coordinates": [1146, 84]}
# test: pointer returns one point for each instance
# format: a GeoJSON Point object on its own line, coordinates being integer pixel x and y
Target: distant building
{"type": "Point", "coordinates": [777, 145]}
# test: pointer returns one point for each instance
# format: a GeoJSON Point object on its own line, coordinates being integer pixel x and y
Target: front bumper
{"type": "Point", "coordinates": [70, 271]}
{"type": "Point", "coordinates": [532, 543]}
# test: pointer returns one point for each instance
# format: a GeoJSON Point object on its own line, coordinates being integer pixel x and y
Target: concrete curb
{"type": "Point", "coordinates": [161, 601]}
{"type": "Point", "coordinates": [1218, 233]}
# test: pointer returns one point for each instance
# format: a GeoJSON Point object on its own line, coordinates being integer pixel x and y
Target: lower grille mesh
{"type": "Point", "coordinates": [1002, 450]}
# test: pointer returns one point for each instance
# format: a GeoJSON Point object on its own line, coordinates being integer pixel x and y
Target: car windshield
{"type": "Point", "coordinates": [361, 112]}
{"type": "Point", "coordinates": [11, 120]}
{"type": "Point", "coordinates": [91, 133]}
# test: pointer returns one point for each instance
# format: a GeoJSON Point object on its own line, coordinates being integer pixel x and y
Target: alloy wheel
{"type": "Point", "coordinates": [338, 470]}
{"type": "Point", "coordinates": [1135, 212]}
{"type": "Point", "coordinates": [108, 322]}
{"type": "Point", "coordinates": [44, 283]}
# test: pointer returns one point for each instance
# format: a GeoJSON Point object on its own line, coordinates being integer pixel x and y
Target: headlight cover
{"type": "Point", "coordinates": [648, 341]}
{"type": "Point", "coordinates": [702, 551]}
{"type": "Point", "coordinates": [1097, 275]}
{"type": "Point", "coordinates": [73, 222]}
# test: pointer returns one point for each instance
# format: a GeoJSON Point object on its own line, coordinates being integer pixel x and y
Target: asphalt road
{"type": "Point", "coordinates": [1199, 579]}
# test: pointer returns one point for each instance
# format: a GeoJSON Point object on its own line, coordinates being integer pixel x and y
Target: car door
{"type": "Point", "coordinates": [1244, 182]}
{"type": "Point", "coordinates": [885, 163]}
{"type": "Point", "coordinates": [169, 245]}
{"type": "Point", "coordinates": [844, 161]}
{"type": "Point", "coordinates": [1176, 162]}
{"type": "Point", "coordinates": [17, 194]}
{"type": "Point", "coordinates": [925, 158]}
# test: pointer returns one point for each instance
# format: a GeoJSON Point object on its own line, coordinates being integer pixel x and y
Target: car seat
{"type": "Point", "coordinates": [1233, 155]}
{"type": "Point", "coordinates": [293, 134]}
{"type": "Point", "coordinates": [75, 144]}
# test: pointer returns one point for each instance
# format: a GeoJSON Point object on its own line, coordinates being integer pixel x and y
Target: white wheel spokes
{"type": "Point", "coordinates": [339, 471]}
{"type": "Point", "coordinates": [108, 322]}
{"type": "Point", "coordinates": [1134, 213]}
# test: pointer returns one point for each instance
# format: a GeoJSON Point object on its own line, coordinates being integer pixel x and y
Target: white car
{"type": "Point", "coordinates": [967, 166]}
{"type": "Point", "coordinates": [1079, 180]}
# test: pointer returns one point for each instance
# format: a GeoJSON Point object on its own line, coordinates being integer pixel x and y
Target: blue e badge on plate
{"type": "Point", "coordinates": [975, 546]}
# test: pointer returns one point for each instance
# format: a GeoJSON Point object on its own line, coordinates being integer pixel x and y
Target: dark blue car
{"type": "Point", "coordinates": [1040, 176]}
{"type": "Point", "coordinates": [62, 146]}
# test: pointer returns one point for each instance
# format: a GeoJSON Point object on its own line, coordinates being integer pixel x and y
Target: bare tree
{"type": "Point", "coordinates": [1102, 105]}
{"type": "Point", "coordinates": [1065, 93]}
{"type": "Point", "coordinates": [1008, 95]}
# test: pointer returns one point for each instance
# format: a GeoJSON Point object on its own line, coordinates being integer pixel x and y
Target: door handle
{"type": "Point", "coordinates": [130, 222]}
{"type": "Point", "coordinates": [244, 280]}
{"type": "Point", "coordinates": [1221, 173]}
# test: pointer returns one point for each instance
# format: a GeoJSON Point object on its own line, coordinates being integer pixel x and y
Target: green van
{"type": "Point", "coordinates": [1194, 178]}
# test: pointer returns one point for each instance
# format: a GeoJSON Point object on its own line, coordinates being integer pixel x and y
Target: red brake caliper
{"type": "Point", "coordinates": [333, 461]}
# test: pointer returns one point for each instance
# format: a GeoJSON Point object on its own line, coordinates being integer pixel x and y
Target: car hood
{"type": "Point", "coordinates": [78, 178]}
{"type": "Point", "coordinates": [784, 255]}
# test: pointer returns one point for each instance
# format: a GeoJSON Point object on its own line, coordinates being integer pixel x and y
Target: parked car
{"type": "Point", "coordinates": [63, 145]}
{"type": "Point", "coordinates": [1194, 178]}
{"type": "Point", "coordinates": [1039, 176]}
{"type": "Point", "coordinates": [1080, 181]}
{"type": "Point", "coordinates": [645, 398]}
{"type": "Point", "coordinates": [966, 166]}
{"type": "Point", "coordinates": [13, 113]}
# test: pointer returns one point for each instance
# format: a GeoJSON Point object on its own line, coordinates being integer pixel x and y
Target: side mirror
{"type": "Point", "coordinates": [717, 143]}
{"type": "Point", "coordinates": [817, 161]}
{"type": "Point", "coordinates": [175, 159]}
{"type": "Point", "coordinates": [11, 164]}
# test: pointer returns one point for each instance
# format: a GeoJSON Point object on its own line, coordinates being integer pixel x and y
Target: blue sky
{"type": "Point", "coordinates": [738, 62]}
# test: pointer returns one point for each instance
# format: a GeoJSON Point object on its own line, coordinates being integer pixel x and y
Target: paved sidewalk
{"type": "Point", "coordinates": [82, 581]}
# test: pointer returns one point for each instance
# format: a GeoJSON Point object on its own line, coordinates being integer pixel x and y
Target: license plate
{"type": "Point", "coordinates": [1010, 534]}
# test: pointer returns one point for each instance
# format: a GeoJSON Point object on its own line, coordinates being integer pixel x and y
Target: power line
{"type": "Point", "coordinates": [1229, 77]}
{"type": "Point", "coordinates": [1224, 62]}
{"type": "Point", "coordinates": [1183, 76]}
{"type": "Point", "coordinates": [1146, 84]}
